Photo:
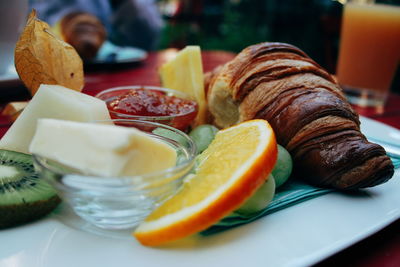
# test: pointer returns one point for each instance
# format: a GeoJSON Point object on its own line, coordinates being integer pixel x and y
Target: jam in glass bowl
{"type": "Point", "coordinates": [150, 103]}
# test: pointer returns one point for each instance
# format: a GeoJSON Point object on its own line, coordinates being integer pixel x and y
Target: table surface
{"type": "Point", "coordinates": [380, 249]}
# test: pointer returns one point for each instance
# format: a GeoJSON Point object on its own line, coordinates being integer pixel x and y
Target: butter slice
{"type": "Point", "coordinates": [52, 101]}
{"type": "Point", "coordinates": [184, 73]}
{"type": "Point", "coordinates": [101, 149]}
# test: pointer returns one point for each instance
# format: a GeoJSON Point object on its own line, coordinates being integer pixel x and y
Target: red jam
{"type": "Point", "coordinates": [147, 102]}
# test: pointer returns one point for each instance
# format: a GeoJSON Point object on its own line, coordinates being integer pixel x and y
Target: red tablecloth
{"type": "Point", "coordinates": [381, 249]}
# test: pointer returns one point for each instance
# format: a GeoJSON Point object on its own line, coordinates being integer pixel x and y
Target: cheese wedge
{"type": "Point", "coordinates": [52, 101]}
{"type": "Point", "coordinates": [185, 73]}
{"type": "Point", "coordinates": [101, 149]}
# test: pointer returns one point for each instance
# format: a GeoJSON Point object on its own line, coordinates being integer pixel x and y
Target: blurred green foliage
{"type": "Point", "coordinates": [231, 25]}
{"type": "Point", "coordinates": [235, 24]}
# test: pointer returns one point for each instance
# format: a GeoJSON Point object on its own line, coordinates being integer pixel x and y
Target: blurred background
{"type": "Point", "coordinates": [311, 25]}
{"type": "Point", "coordinates": [230, 25]}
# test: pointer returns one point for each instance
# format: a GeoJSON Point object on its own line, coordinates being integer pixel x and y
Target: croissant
{"type": "Point", "coordinates": [307, 110]}
{"type": "Point", "coordinates": [84, 32]}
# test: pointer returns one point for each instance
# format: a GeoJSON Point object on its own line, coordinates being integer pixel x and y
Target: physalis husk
{"type": "Point", "coordinates": [42, 58]}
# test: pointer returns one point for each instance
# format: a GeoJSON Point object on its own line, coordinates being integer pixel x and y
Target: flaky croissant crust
{"type": "Point", "coordinates": [307, 110]}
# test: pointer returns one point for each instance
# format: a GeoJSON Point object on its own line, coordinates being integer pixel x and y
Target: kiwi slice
{"type": "Point", "coordinates": [24, 196]}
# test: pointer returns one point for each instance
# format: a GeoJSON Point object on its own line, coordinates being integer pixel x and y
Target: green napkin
{"type": "Point", "coordinates": [396, 162]}
{"type": "Point", "coordinates": [289, 194]}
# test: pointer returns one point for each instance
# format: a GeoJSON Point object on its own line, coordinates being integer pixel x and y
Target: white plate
{"type": "Point", "coordinates": [297, 236]}
{"type": "Point", "coordinates": [391, 141]}
{"type": "Point", "coordinates": [9, 78]}
{"type": "Point", "coordinates": [110, 54]}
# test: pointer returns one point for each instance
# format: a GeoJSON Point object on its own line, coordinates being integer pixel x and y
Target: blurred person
{"type": "Point", "coordinates": [136, 23]}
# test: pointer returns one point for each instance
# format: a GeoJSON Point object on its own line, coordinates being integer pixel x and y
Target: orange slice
{"type": "Point", "coordinates": [231, 169]}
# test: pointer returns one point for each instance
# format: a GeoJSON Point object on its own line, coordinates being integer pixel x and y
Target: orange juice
{"type": "Point", "coordinates": [370, 47]}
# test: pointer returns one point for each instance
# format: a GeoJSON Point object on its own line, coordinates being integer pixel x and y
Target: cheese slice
{"type": "Point", "coordinates": [184, 73]}
{"type": "Point", "coordinates": [101, 149]}
{"type": "Point", "coordinates": [52, 101]}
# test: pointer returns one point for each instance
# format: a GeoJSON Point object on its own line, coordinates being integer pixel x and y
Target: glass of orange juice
{"type": "Point", "coordinates": [369, 51]}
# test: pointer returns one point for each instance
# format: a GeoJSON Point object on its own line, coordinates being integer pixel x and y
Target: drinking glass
{"type": "Point", "coordinates": [369, 51]}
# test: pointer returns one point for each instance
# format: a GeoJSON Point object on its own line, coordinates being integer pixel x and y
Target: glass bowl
{"type": "Point", "coordinates": [180, 121]}
{"type": "Point", "coordinates": [121, 202]}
